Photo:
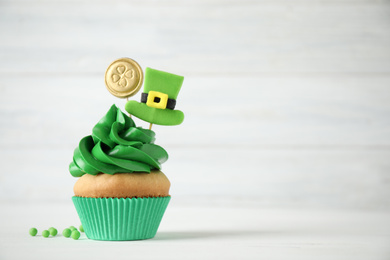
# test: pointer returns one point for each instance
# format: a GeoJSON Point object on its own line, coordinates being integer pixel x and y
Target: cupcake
{"type": "Point", "coordinates": [121, 194]}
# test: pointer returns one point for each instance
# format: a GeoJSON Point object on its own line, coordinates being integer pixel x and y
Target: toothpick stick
{"type": "Point", "coordinates": [150, 126]}
{"type": "Point", "coordinates": [127, 99]}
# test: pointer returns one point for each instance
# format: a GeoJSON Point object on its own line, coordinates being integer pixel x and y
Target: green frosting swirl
{"type": "Point", "coordinates": [117, 146]}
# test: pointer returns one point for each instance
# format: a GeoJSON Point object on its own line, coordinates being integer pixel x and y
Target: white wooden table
{"type": "Point", "coordinates": [206, 232]}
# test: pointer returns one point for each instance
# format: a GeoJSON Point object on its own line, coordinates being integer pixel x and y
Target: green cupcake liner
{"type": "Point", "coordinates": [119, 218]}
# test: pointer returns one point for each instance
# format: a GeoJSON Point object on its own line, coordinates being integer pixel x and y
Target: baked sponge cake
{"type": "Point", "coordinates": [121, 194]}
{"type": "Point", "coordinates": [124, 185]}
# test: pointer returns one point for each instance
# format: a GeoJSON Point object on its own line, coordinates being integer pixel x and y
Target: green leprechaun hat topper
{"type": "Point", "coordinates": [158, 99]}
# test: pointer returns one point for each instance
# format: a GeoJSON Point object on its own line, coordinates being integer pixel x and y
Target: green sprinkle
{"type": "Point", "coordinates": [45, 233]}
{"type": "Point", "coordinates": [66, 232]}
{"type": "Point", "coordinates": [81, 228]}
{"type": "Point", "coordinates": [72, 228]}
{"type": "Point", "coordinates": [75, 234]}
{"type": "Point", "coordinates": [53, 231]}
{"type": "Point", "coordinates": [33, 231]}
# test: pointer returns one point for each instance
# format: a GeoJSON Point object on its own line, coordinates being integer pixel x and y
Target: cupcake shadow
{"type": "Point", "coordinates": [204, 234]}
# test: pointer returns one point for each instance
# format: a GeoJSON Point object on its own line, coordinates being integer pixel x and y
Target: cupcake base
{"type": "Point", "coordinates": [117, 219]}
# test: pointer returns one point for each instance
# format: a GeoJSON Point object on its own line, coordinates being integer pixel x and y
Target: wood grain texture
{"type": "Point", "coordinates": [286, 102]}
{"type": "Point", "coordinates": [220, 111]}
{"type": "Point", "coordinates": [206, 37]}
{"type": "Point", "coordinates": [207, 233]}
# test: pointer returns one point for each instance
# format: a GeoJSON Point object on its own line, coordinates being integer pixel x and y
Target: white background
{"type": "Point", "coordinates": [287, 114]}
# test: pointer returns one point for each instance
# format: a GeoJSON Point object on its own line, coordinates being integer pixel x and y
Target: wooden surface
{"type": "Point", "coordinates": [286, 103]}
{"type": "Point", "coordinates": [207, 232]}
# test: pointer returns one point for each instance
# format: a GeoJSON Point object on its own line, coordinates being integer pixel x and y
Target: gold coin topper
{"type": "Point", "coordinates": [124, 78]}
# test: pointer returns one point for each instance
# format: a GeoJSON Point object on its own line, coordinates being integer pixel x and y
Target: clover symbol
{"type": "Point", "coordinates": [123, 76]}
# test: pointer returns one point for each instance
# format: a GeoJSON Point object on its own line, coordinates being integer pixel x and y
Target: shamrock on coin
{"type": "Point", "coordinates": [123, 76]}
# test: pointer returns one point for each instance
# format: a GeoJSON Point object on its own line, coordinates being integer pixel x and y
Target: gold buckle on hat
{"type": "Point", "coordinates": [157, 99]}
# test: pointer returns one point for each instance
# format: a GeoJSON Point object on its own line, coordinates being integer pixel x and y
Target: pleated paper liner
{"type": "Point", "coordinates": [120, 218]}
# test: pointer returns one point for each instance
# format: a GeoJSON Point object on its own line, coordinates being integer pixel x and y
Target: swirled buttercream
{"type": "Point", "coordinates": [117, 146]}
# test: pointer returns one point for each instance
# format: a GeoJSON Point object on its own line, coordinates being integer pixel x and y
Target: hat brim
{"type": "Point", "coordinates": [154, 115]}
